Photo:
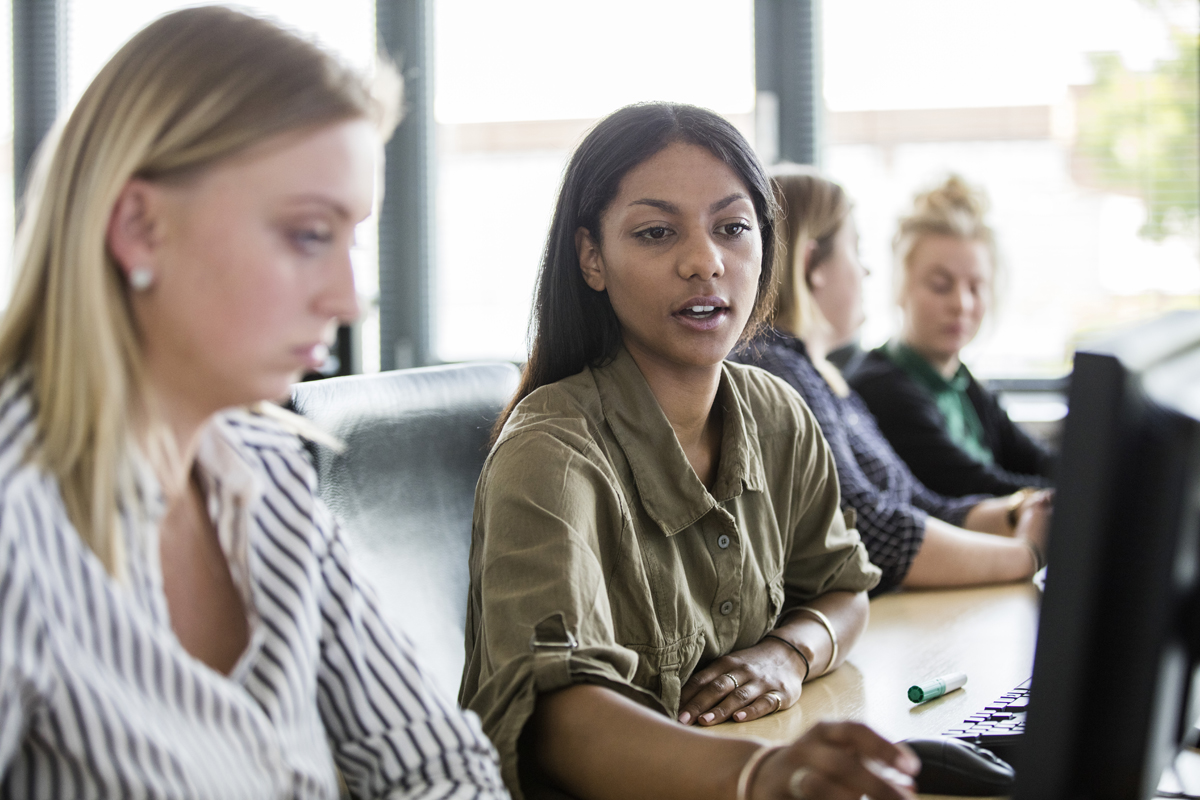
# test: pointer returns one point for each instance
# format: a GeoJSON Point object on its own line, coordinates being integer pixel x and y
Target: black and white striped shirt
{"type": "Point", "coordinates": [99, 699]}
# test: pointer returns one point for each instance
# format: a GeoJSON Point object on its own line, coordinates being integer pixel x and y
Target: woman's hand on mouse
{"type": "Point", "coordinates": [744, 685]}
{"type": "Point", "coordinates": [837, 760]}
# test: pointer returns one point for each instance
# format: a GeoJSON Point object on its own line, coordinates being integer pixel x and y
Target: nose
{"type": "Point", "coordinates": [337, 298]}
{"type": "Point", "coordinates": [700, 258]}
{"type": "Point", "coordinates": [965, 299]}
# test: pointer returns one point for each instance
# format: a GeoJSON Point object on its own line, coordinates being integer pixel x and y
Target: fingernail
{"type": "Point", "coordinates": [685, 718]}
{"type": "Point", "coordinates": [709, 717]}
{"type": "Point", "coordinates": [739, 716]}
{"type": "Point", "coordinates": [889, 773]}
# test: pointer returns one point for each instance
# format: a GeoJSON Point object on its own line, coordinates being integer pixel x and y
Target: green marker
{"type": "Point", "coordinates": [937, 687]}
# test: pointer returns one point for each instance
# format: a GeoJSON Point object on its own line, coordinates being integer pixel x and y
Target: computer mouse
{"type": "Point", "coordinates": [952, 766]}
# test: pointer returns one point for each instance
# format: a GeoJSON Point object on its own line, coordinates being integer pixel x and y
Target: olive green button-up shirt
{"type": "Point", "coordinates": [598, 556]}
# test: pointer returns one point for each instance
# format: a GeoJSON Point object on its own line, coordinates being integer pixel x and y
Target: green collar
{"type": "Point", "coordinates": [960, 419]}
{"type": "Point", "coordinates": [923, 372]}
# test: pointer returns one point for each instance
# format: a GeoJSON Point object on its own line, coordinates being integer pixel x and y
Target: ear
{"type": "Point", "coordinates": [134, 226]}
{"type": "Point", "coordinates": [814, 276]}
{"type": "Point", "coordinates": [591, 262]}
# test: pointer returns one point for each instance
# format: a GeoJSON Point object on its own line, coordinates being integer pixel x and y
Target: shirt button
{"type": "Point", "coordinates": [722, 541]}
{"type": "Point", "coordinates": [727, 607]}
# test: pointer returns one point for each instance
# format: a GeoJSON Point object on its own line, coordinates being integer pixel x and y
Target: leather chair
{"type": "Point", "coordinates": [404, 488]}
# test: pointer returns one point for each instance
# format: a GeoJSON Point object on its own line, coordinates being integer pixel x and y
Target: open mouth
{"type": "Point", "coordinates": [701, 311]}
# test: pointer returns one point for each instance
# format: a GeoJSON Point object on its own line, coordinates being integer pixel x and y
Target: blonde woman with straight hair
{"type": "Point", "coordinates": [915, 536]}
{"type": "Point", "coordinates": [950, 430]}
{"type": "Point", "coordinates": [178, 612]}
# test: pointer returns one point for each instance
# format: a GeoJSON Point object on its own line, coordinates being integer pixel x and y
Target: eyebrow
{"type": "Point", "coordinates": [671, 208]}
{"type": "Point", "coordinates": [320, 200]}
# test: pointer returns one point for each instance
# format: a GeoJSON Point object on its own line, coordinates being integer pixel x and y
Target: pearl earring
{"type": "Point", "coordinates": [141, 278]}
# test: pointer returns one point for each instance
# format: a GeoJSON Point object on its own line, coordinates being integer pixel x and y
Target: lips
{"type": "Point", "coordinates": [702, 313]}
{"type": "Point", "coordinates": [313, 355]}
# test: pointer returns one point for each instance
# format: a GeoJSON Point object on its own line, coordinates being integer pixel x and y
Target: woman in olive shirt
{"type": "Point", "coordinates": [657, 537]}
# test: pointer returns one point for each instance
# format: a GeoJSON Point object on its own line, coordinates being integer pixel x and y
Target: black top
{"type": "Point", "coordinates": [890, 505]}
{"type": "Point", "coordinates": [914, 426]}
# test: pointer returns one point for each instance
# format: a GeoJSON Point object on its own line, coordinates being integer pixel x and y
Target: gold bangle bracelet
{"type": "Point", "coordinates": [824, 620]}
{"type": "Point", "coordinates": [748, 769]}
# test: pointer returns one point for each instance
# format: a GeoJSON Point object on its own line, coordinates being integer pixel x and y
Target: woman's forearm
{"type": "Point", "coordinates": [951, 556]}
{"type": "Point", "coordinates": [597, 745]}
{"type": "Point", "coordinates": [846, 611]}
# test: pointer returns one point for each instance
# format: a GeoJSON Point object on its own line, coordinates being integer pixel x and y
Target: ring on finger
{"type": "Point", "coordinates": [794, 788]}
{"type": "Point", "coordinates": [736, 685]}
{"type": "Point", "coordinates": [778, 700]}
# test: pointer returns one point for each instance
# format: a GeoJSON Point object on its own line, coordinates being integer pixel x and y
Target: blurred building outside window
{"type": "Point", "coordinates": [1078, 118]}
{"type": "Point", "coordinates": [1068, 114]}
{"type": "Point", "coordinates": [517, 85]}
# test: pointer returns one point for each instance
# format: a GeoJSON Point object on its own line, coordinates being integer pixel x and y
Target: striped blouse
{"type": "Point", "coordinates": [99, 699]}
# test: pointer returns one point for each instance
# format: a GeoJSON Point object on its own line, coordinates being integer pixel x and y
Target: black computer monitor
{"type": "Point", "coordinates": [1117, 642]}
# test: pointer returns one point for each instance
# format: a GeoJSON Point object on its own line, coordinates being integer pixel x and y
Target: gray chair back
{"type": "Point", "coordinates": [404, 488]}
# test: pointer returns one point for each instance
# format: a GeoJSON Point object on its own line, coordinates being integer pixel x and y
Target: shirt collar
{"type": "Point", "coordinates": [921, 370]}
{"type": "Point", "coordinates": [668, 487]}
{"type": "Point", "coordinates": [232, 488]}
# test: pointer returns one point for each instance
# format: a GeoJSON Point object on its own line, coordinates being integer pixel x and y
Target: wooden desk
{"type": "Point", "coordinates": [988, 633]}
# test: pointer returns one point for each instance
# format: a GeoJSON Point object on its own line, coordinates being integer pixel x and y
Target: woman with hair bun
{"type": "Point", "coordinates": [918, 538]}
{"type": "Point", "coordinates": [179, 616]}
{"type": "Point", "coordinates": [948, 428]}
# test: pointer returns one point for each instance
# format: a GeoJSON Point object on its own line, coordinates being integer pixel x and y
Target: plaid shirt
{"type": "Point", "coordinates": [890, 503]}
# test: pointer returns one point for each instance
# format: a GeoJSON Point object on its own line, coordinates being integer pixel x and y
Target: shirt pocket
{"type": "Point", "coordinates": [663, 670]}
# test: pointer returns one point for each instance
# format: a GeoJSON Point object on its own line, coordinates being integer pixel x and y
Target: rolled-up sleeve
{"type": "Point", "coordinates": [392, 733]}
{"type": "Point", "coordinates": [539, 617]}
{"type": "Point", "coordinates": [825, 554]}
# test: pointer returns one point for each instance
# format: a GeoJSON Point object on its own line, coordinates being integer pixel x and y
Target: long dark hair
{"type": "Point", "coordinates": [573, 326]}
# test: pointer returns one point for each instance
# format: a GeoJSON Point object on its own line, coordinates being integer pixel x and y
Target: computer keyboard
{"type": "Point", "coordinates": [999, 725]}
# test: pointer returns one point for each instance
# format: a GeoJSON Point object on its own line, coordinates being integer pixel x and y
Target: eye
{"type": "Point", "coordinates": [308, 239]}
{"type": "Point", "coordinates": [655, 233]}
{"type": "Point", "coordinates": [734, 229]}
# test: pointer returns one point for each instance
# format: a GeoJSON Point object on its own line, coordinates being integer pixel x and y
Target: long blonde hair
{"type": "Point", "coordinates": [814, 210]}
{"type": "Point", "coordinates": [952, 208]}
{"type": "Point", "coordinates": [189, 90]}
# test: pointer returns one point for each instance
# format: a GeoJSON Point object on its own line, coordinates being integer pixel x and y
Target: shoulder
{"type": "Point", "coordinates": [874, 369]}
{"type": "Point", "coordinates": [566, 411]}
{"type": "Point", "coordinates": [271, 447]}
{"type": "Point", "coordinates": [22, 481]}
{"type": "Point", "coordinates": [760, 387]}
{"type": "Point", "coordinates": [775, 405]}
{"type": "Point", "coordinates": [885, 387]}
{"type": "Point", "coordinates": [18, 428]}
{"type": "Point", "coordinates": [257, 430]}
{"type": "Point", "coordinates": [979, 393]}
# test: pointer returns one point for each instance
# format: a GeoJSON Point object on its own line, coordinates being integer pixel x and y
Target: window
{"type": "Point", "coordinates": [1077, 117]}
{"type": "Point", "coordinates": [517, 85]}
{"type": "Point", "coordinates": [96, 30]}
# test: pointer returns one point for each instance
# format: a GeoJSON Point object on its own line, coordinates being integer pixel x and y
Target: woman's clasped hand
{"type": "Point", "coordinates": [743, 686]}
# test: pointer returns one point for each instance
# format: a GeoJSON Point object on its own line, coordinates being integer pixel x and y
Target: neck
{"type": "Point", "coordinates": [687, 397]}
{"type": "Point", "coordinates": [183, 426]}
{"type": "Point", "coordinates": [819, 344]}
{"type": "Point", "coordinates": [944, 364]}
